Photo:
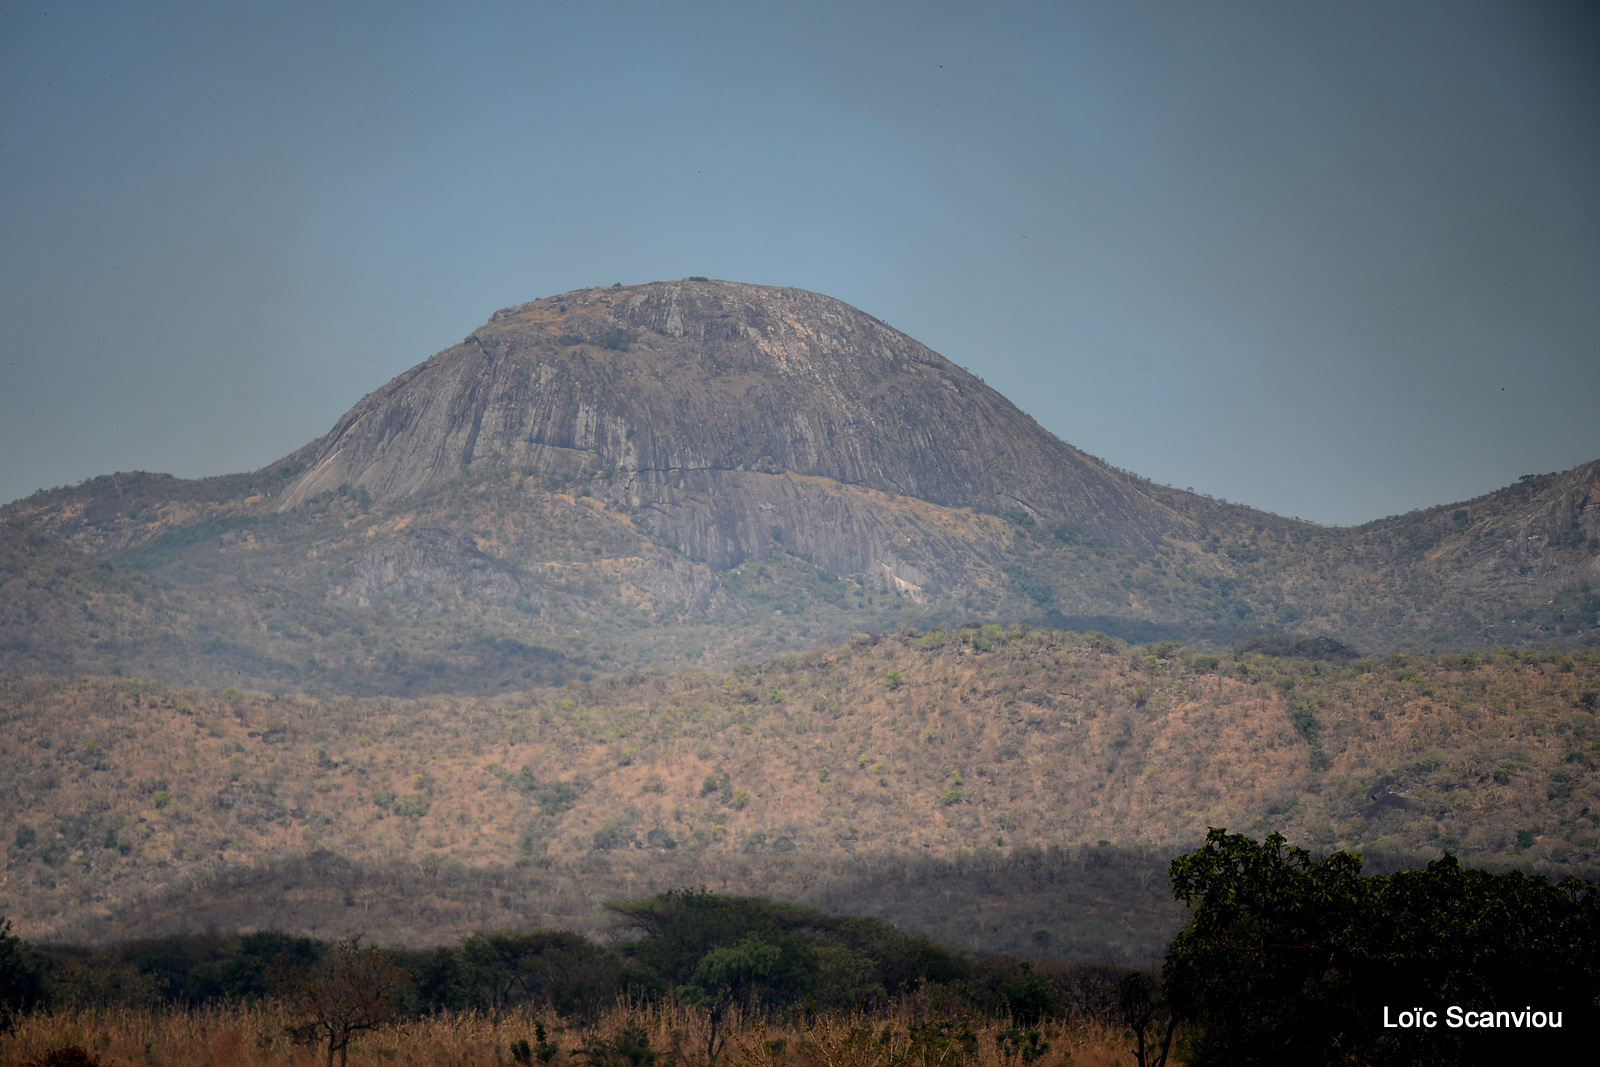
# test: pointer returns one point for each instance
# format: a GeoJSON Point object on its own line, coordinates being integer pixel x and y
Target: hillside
{"type": "Point", "coordinates": [483, 584]}
{"type": "Point", "coordinates": [919, 761]}
{"type": "Point", "coordinates": [1519, 566]}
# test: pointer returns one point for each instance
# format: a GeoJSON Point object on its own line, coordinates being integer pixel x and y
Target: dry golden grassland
{"type": "Point", "coordinates": [257, 1036]}
{"type": "Point", "coordinates": [975, 741]}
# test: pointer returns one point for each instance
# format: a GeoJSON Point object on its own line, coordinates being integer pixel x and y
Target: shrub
{"type": "Point", "coordinates": [1027, 998]}
{"type": "Point", "coordinates": [617, 340]}
{"type": "Point", "coordinates": [503, 968]}
{"type": "Point", "coordinates": [628, 1047]}
{"type": "Point", "coordinates": [411, 805]}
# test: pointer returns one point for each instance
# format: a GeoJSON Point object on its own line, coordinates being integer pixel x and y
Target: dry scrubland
{"type": "Point", "coordinates": [979, 746]}
{"type": "Point", "coordinates": [257, 1036]}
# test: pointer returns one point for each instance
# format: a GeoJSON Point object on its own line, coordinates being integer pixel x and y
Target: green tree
{"type": "Point", "coordinates": [1027, 998]}
{"type": "Point", "coordinates": [1288, 959]}
{"type": "Point", "coordinates": [550, 967]}
{"type": "Point", "coordinates": [729, 983]}
{"type": "Point", "coordinates": [20, 987]}
{"type": "Point", "coordinates": [835, 960]}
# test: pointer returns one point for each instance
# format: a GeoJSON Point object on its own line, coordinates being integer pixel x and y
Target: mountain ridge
{"type": "Point", "coordinates": [601, 473]}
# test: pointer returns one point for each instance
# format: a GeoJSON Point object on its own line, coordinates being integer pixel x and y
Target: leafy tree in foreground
{"type": "Point", "coordinates": [742, 956]}
{"type": "Point", "coordinates": [20, 988]}
{"type": "Point", "coordinates": [1287, 959]}
{"type": "Point", "coordinates": [555, 968]}
{"type": "Point", "coordinates": [687, 936]}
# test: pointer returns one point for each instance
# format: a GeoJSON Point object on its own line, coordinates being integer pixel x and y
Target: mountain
{"type": "Point", "coordinates": [706, 583]}
{"type": "Point", "coordinates": [706, 471]}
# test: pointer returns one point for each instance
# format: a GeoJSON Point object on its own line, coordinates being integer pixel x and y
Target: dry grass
{"type": "Point", "coordinates": [257, 1036]}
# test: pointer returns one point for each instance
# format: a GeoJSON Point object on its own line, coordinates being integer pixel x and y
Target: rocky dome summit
{"type": "Point", "coordinates": [730, 414]}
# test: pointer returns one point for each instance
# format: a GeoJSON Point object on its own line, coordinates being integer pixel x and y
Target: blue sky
{"type": "Point", "coordinates": [1332, 260]}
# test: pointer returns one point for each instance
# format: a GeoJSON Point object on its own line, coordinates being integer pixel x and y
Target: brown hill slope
{"type": "Point", "coordinates": [800, 777]}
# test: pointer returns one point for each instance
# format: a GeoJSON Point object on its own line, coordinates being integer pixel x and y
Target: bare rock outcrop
{"type": "Point", "coordinates": [414, 562]}
{"type": "Point", "coordinates": [733, 413]}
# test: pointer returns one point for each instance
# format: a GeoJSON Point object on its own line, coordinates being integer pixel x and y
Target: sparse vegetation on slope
{"type": "Point", "coordinates": [516, 579]}
{"type": "Point", "coordinates": [1514, 567]}
{"type": "Point", "coordinates": [938, 744]}
{"type": "Point", "coordinates": [495, 583]}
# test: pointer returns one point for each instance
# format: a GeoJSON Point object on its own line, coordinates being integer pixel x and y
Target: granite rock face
{"type": "Point", "coordinates": [417, 561]}
{"type": "Point", "coordinates": [733, 414]}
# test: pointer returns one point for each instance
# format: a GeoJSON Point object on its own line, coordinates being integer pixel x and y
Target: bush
{"type": "Point", "coordinates": [553, 968]}
{"type": "Point", "coordinates": [411, 805]}
{"type": "Point", "coordinates": [1027, 998]}
{"type": "Point", "coordinates": [617, 340]}
{"type": "Point", "coordinates": [775, 953]}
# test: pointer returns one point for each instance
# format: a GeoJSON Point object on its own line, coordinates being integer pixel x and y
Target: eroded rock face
{"type": "Point", "coordinates": [415, 562]}
{"type": "Point", "coordinates": [1527, 547]}
{"type": "Point", "coordinates": [723, 407]}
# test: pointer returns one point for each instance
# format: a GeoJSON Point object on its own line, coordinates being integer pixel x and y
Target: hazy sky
{"type": "Point", "coordinates": [1337, 260]}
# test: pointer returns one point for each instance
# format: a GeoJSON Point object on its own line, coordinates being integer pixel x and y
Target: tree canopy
{"type": "Point", "coordinates": [1291, 959]}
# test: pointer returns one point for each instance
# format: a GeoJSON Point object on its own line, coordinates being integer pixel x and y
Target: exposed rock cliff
{"type": "Point", "coordinates": [725, 407]}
